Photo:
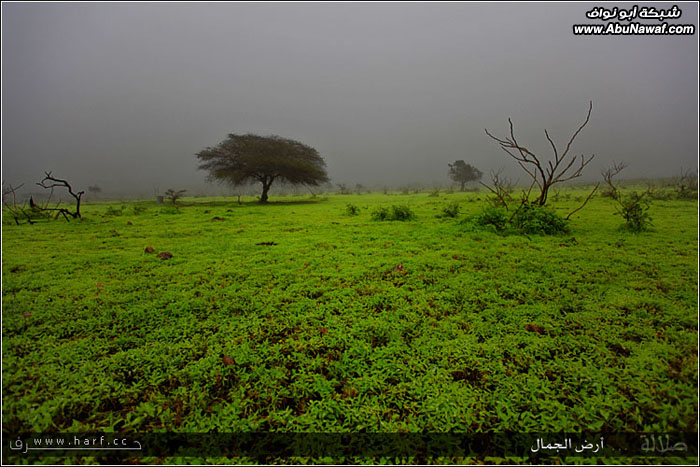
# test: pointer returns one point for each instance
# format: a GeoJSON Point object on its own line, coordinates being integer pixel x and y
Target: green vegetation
{"type": "Point", "coordinates": [294, 316]}
{"type": "Point", "coordinates": [450, 210]}
{"type": "Point", "coordinates": [528, 219]}
{"type": "Point", "coordinates": [352, 210]}
{"type": "Point", "coordinates": [394, 213]}
{"type": "Point", "coordinates": [634, 208]}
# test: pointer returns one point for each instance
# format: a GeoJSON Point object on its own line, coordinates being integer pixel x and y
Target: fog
{"type": "Point", "coordinates": [124, 95]}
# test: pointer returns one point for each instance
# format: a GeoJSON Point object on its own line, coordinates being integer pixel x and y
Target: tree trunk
{"type": "Point", "coordinates": [542, 199]}
{"type": "Point", "coordinates": [266, 188]}
{"type": "Point", "coordinates": [77, 204]}
{"type": "Point", "coordinates": [462, 187]}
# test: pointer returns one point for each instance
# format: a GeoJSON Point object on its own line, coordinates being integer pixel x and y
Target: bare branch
{"type": "Point", "coordinates": [608, 175]}
{"type": "Point", "coordinates": [16, 211]}
{"type": "Point", "coordinates": [51, 182]}
{"type": "Point", "coordinates": [577, 173]}
{"type": "Point", "coordinates": [556, 171]}
{"type": "Point", "coordinates": [568, 145]}
{"type": "Point", "coordinates": [590, 195]}
{"type": "Point", "coordinates": [534, 177]}
{"type": "Point", "coordinates": [554, 148]}
{"type": "Point", "coordinates": [502, 187]}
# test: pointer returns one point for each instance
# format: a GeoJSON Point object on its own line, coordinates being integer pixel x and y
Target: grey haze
{"type": "Point", "coordinates": [123, 95]}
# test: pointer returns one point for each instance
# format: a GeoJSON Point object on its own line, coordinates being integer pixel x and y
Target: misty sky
{"type": "Point", "coordinates": [124, 95]}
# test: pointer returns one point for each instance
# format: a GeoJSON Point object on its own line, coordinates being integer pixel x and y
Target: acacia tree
{"type": "Point", "coordinates": [545, 175]}
{"type": "Point", "coordinates": [463, 173]}
{"type": "Point", "coordinates": [174, 195]}
{"type": "Point", "coordinates": [241, 159]}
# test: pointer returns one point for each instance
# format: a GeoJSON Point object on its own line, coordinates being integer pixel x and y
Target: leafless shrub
{"type": "Point", "coordinates": [502, 189]}
{"type": "Point", "coordinates": [687, 184]}
{"type": "Point", "coordinates": [632, 207]}
{"type": "Point", "coordinates": [608, 175]}
{"type": "Point", "coordinates": [561, 169]}
{"type": "Point", "coordinates": [29, 210]}
{"type": "Point", "coordinates": [50, 182]}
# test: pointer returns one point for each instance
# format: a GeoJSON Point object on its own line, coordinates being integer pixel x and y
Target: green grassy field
{"type": "Point", "coordinates": [348, 324]}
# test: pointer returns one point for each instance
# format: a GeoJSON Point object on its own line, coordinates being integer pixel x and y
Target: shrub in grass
{"type": "Point", "coordinates": [139, 209]}
{"type": "Point", "coordinates": [352, 210]}
{"type": "Point", "coordinates": [687, 185]}
{"type": "Point", "coordinates": [169, 210]}
{"type": "Point", "coordinates": [380, 214]}
{"type": "Point", "coordinates": [451, 210]}
{"type": "Point", "coordinates": [395, 213]}
{"type": "Point", "coordinates": [633, 208]}
{"type": "Point", "coordinates": [528, 219]}
{"type": "Point", "coordinates": [534, 219]}
{"type": "Point", "coordinates": [112, 211]}
{"type": "Point", "coordinates": [401, 213]}
{"type": "Point", "coordinates": [496, 217]}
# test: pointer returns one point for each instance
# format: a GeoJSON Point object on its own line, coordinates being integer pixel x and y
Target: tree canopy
{"type": "Point", "coordinates": [462, 173]}
{"type": "Point", "coordinates": [241, 159]}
